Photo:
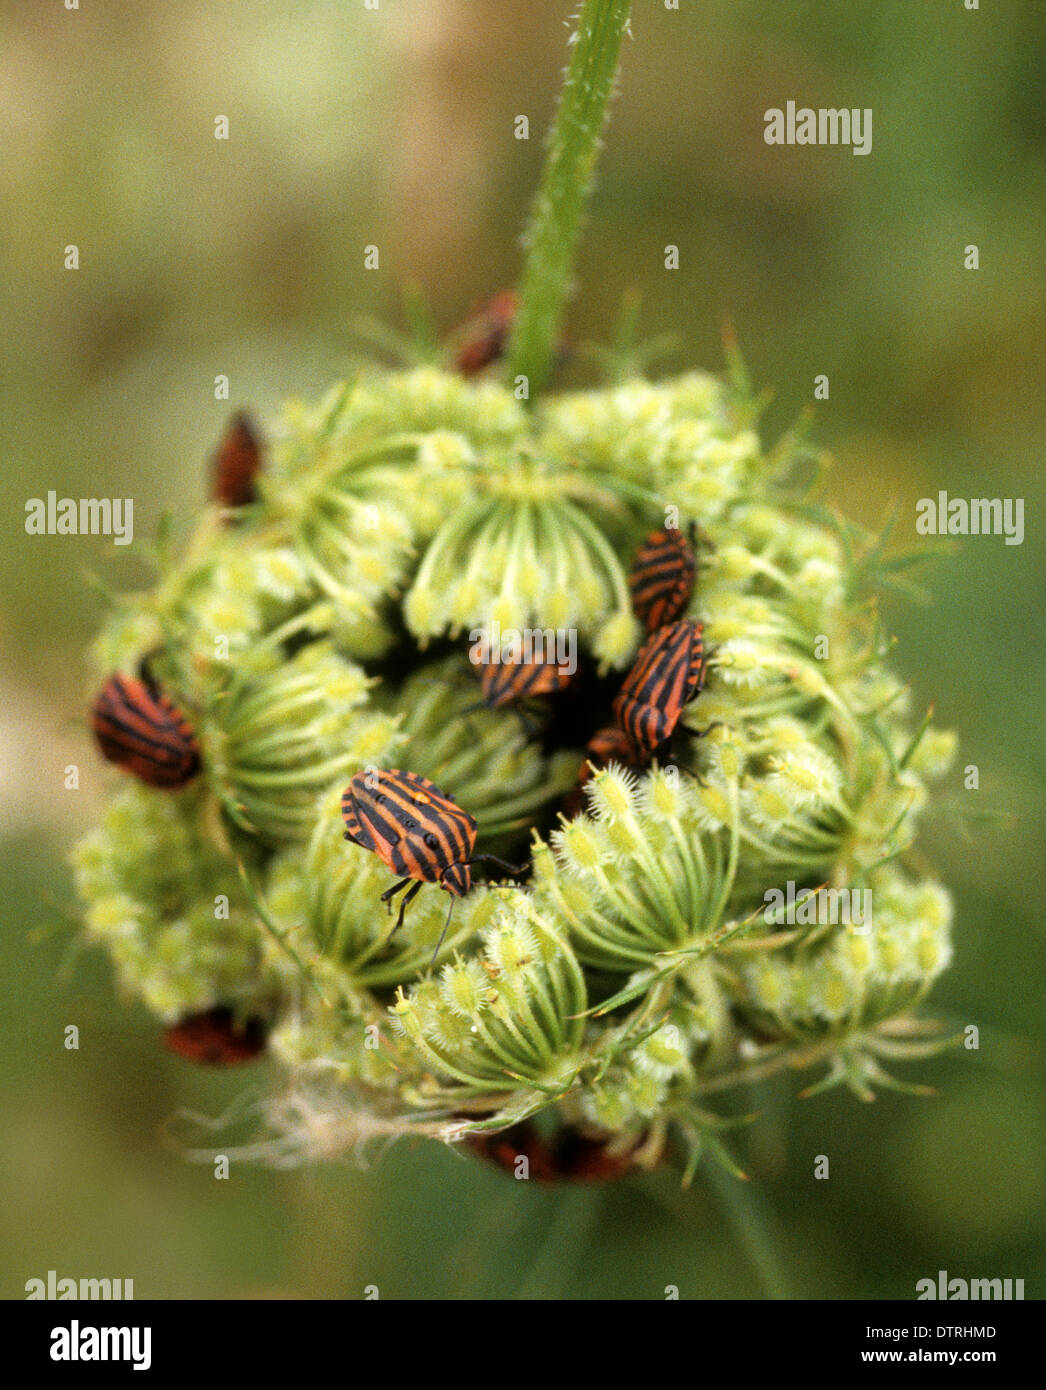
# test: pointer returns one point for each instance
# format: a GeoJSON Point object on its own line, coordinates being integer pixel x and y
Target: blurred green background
{"type": "Point", "coordinates": [350, 126]}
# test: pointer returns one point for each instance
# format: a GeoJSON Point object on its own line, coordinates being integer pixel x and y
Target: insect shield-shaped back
{"type": "Point", "coordinates": [214, 1038]}
{"type": "Point", "coordinates": [662, 578]}
{"type": "Point", "coordinates": [511, 682]}
{"type": "Point", "coordinates": [137, 727]}
{"type": "Point", "coordinates": [237, 463]}
{"type": "Point", "coordinates": [482, 339]}
{"type": "Point", "coordinates": [609, 745]}
{"type": "Point", "coordinates": [415, 829]}
{"type": "Point", "coordinates": [605, 746]}
{"type": "Point", "coordinates": [668, 672]}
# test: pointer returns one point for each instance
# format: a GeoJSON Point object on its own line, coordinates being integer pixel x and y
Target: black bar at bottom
{"type": "Point", "coordinates": [70, 1339]}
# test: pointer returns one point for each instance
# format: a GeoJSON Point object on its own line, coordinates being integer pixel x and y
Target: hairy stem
{"type": "Point", "coordinates": [565, 185]}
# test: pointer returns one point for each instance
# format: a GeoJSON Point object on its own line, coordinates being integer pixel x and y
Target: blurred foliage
{"type": "Point", "coordinates": [245, 257]}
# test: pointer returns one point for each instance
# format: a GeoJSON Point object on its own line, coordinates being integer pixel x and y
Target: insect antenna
{"type": "Point", "coordinates": [512, 868]}
{"type": "Point", "coordinates": [691, 772]}
{"type": "Point", "coordinates": [443, 934]}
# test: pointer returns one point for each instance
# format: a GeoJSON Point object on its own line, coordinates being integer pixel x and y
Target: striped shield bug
{"type": "Point", "coordinates": [668, 672]}
{"type": "Point", "coordinates": [237, 463]}
{"type": "Point", "coordinates": [416, 831]}
{"type": "Point", "coordinates": [214, 1038]}
{"type": "Point", "coordinates": [662, 578]}
{"type": "Point", "coordinates": [482, 339]}
{"type": "Point", "coordinates": [510, 682]}
{"type": "Point", "coordinates": [137, 727]}
{"type": "Point", "coordinates": [609, 745]}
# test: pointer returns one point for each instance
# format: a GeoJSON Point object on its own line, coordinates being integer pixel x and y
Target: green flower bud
{"type": "Point", "coordinates": [279, 739]}
{"type": "Point", "coordinates": [507, 1020]}
{"type": "Point", "coordinates": [176, 923]}
{"type": "Point", "coordinates": [650, 859]}
{"type": "Point", "coordinates": [862, 974]}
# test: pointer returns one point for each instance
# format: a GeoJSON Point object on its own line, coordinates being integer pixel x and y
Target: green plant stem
{"type": "Point", "coordinates": [566, 181]}
{"type": "Point", "coordinates": [748, 1216]}
{"type": "Point", "coordinates": [574, 1218]}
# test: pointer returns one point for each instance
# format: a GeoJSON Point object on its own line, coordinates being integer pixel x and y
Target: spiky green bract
{"type": "Point", "coordinates": [277, 738]}
{"type": "Point", "coordinates": [501, 1030]}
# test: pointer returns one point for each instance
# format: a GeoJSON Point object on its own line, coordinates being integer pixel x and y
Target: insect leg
{"type": "Point", "coordinates": [529, 729]}
{"type": "Point", "coordinates": [700, 733]}
{"type": "Point", "coordinates": [408, 897]}
{"type": "Point", "coordinates": [145, 670]}
{"type": "Point", "coordinates": [469, 723]}
{"type": "Point", "coordinates": [390, 893]}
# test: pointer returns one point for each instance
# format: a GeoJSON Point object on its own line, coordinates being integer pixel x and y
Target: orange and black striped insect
{"type": "Point", "coordinates": [483, 338]}
{"type": "Point", "coordinates": [137, 727]}
{"type": "Point", "coordinates": [415, 830]}
{"type": "Point", "coordinates": [606, 746]}
{"type": "Point", "coordinates": [510, 682]}
{"type": "Point", "coordinates": [609, 745]}
{"type": "Point", "coordinates": [662, 578]}
{"type": "Point", "coordinates": [214, 1038]}
{"type": "Point", "coordinates": [237, 463]}
{"type": "Point", "coordinates": [668, 672]}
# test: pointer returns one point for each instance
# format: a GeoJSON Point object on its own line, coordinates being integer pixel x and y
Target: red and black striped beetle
{"type": "Point", "coordinates": [215, 1039]}
{"type": "Point", "coordinates": [415, 830]}
{"type": "Point", "coordinates": [661, 580]}
{"type": "Point", "coordinates": [668, 672]}
{"type": "Point", "coordinates": [237, 463]}
{"type": "Point", "coordinates": [137, 727]}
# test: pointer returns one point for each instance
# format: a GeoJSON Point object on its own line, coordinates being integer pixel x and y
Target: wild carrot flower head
{"type": "Point", "coordinates": [647, 949]}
